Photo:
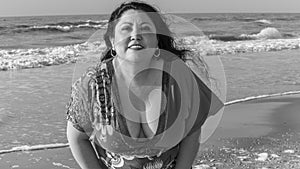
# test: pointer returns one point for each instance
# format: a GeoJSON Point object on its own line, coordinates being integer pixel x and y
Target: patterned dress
{"type": "Point", "coordinates": [94, 108]}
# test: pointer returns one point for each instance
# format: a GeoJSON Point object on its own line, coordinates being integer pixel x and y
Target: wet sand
{"type": "Point", "coordinates": [253, 134]}
{"type": "Point", "coordinates": [256, 134]}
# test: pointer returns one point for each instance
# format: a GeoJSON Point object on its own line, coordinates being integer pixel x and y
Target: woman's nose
{"type": "Point", "coordinates": [136, 37]}
{"type": "Point", "coordinates": [136, 34]}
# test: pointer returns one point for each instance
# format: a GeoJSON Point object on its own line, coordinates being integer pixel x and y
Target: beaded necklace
{"type": "Point", "coordinates": [104, 112]}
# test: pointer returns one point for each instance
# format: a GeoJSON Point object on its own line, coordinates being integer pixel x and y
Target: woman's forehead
{"type": "Point", "coordinates": [137, 16]}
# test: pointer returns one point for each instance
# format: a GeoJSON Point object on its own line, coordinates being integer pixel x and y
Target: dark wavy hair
{"type": "Point", "coordinates": [164, 35]}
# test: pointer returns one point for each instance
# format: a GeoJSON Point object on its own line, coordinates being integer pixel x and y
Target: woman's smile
{"type": "Point", "coordinates": [135, 46]}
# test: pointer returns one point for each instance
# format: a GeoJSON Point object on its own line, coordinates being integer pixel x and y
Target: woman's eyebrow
{"type": "Point", "coordinates": [127, 23]}
{"type": "Point", "coordinates": [148, 23]}
{"type": "Point", "coordinates": [130, 23]}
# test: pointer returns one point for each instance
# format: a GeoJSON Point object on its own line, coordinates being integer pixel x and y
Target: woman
{"type": "Point", "coordinates": [140, 107]}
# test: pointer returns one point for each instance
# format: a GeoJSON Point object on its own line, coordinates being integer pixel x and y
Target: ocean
{"type": "Point", "coordinates": [51, 31]}
{"type": "Point", "coordinates": [37, 56]}
{"type": "Point", "coordinates": [37, 41]}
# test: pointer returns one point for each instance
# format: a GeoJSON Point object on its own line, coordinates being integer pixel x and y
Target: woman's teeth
{"type": "Point", "coordinates": [136, 47]}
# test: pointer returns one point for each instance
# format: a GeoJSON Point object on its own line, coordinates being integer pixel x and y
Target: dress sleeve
{"type": "Point", "coordinates": [197, 100]}
{"type": "Point", "coordinates": [209, 104]}
{"type": "Point", "coordinates": [77, 107]}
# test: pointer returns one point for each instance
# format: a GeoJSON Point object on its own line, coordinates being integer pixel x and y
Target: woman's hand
{"type": "Point", "coordinates": [82, 149]}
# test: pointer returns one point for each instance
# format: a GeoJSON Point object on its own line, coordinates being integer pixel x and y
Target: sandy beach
{"type": "Point", "coordinates": [256, 134]}
{"type": "Point", "coordinates": [262, 133]}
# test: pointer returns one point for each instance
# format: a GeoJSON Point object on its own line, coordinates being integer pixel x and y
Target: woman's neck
{"type": "Point", "coordinates": [133, 74]}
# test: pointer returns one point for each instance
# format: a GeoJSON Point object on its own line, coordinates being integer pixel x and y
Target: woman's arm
{"type": "Point", "coordinates": [82, 149]}
{"type": "Point", "coordinates": [188, 150]}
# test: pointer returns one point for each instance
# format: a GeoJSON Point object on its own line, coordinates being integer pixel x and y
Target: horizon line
{"type": "Point", "coordinates": [233, 12]}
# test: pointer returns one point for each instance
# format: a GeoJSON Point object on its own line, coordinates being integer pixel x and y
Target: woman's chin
{"type": "Point", "coordinates": [137, 58]}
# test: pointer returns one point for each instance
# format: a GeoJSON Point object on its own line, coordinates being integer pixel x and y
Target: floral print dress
{"type": "Point", "coordinates": [94, 109]}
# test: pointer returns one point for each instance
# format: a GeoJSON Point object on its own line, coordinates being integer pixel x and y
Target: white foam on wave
{"type": "Point", "coordinates": [40, 57]}
{"type": "Point", "coordinates": [266, 33]}
{"type": "Point", "coordinates": [34, 147]}
{"type": "Point", "coordinates": [261, 97]}
{"type": "Point", "coordinates": [67, 28]}
{"type": "Point", "coordinates": [214, 47]}
{"type": "Point", "coordinates": [58, 27]}
{"type": "Point", "coordinates": [263, 21]}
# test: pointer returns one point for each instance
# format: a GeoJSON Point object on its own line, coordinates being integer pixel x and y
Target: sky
{"type": "Point", "coordinates": [78, 7]}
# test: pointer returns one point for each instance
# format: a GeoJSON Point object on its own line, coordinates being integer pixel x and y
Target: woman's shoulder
{"type": "Point", "coordinates": [88, 76]}
{"type": "Point", "coordinates": [92, 73]}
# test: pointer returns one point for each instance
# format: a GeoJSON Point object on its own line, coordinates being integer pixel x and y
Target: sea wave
{"type": "Point", "coordinates": [60, 26]}
{"type": "Point", "coordinates": [205, 46]}
{"type": "Point", "coordinates": [220, 19]}
{"type": "Point", "coordinates": [288, 18]}
{"type": "Point", "coordinates": [254, 20]}
{"type": "Point", "coordinates": [40, 57]}
{"type": "Point", "coordinates": [244, 19]}
{"type": "Point", "coordinates": [11, 59]}
{"type": "Point", "coordinates": [263, 21]}
{"type": "Point", "coordinates": [266, 33]}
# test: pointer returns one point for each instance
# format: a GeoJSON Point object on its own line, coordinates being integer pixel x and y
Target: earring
{"type": "Point", "coordinates": [156, 53]}
{"type": "Point", "coordinates": [113, 53]}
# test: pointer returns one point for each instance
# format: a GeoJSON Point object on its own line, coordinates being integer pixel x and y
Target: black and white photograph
{"type": "Point", "coordinates": [156, 84]}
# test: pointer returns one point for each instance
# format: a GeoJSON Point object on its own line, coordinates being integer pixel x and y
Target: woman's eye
{"type": "Point", "coordinates": [146, 28]}
{"type": "Point", "coordinates": [125, 28]}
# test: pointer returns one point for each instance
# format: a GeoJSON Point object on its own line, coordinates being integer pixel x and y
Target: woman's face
{"type": "Point", "coordinates": [135, 37]}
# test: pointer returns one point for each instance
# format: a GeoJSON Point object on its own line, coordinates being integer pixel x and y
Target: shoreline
{"type": "Point", "coordinates": [237, 142]}
{"type": "Point", "coordinates": [255, 99]}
